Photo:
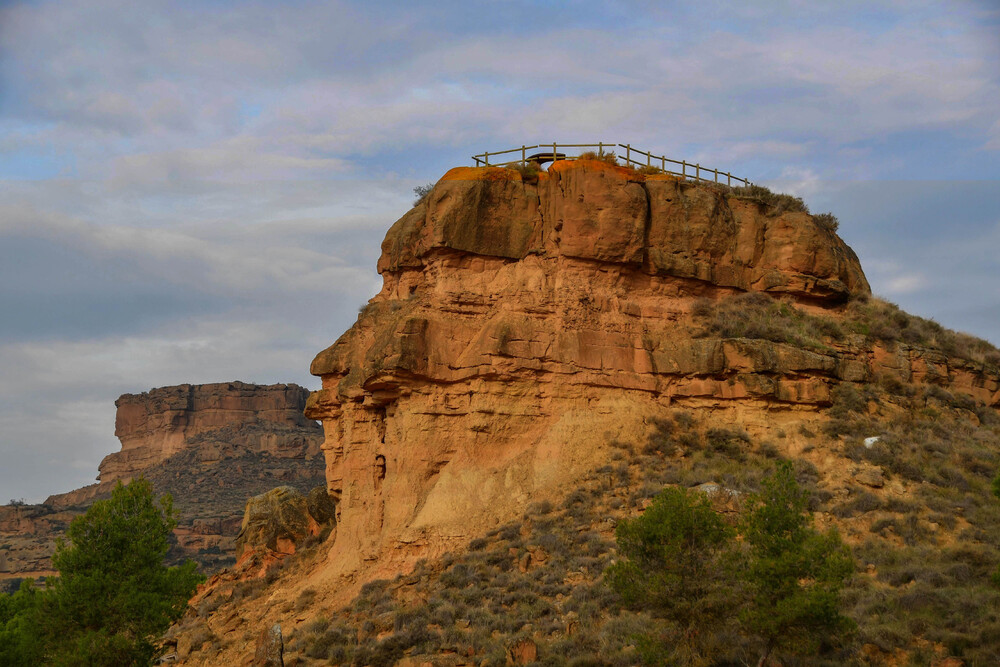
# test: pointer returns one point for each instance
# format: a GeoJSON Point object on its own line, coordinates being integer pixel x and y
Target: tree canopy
{"type": "Point", "coordinates": [675, 552]}
{"type": "Point", "coordinates": [779, 583]}
{"type": "Point", "coordinates": [793, 573]}
{"type": "Point", "coordinates": [114, 595]}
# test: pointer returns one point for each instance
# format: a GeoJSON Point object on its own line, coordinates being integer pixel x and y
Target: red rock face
{"type": "Point", "coordinates": [159, 423]}
{"type": "Point", "coordinates": [658, 224]}
{"type": "Point", "coordinates": [521, 328]}
{"type": "Point", "coordinates": [211, 446]}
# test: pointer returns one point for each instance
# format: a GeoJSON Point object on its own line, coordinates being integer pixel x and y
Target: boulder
{"type": "Point", "coordinates": [281, 518]}
{"type": "Point", "coordinates": [269, 649]}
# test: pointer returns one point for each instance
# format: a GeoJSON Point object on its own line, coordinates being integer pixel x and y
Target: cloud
{"type": "Point", "coordinates": [930, 245]}
{"type": "Point", "coordinates": [906, 284]}
{"type": "Point", "coordinates": [237, 161]}
{"type": "Point", "coordinates": [197, 191]}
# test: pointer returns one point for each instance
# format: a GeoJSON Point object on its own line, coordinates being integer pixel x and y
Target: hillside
{"type": "Point", "coordinates": [210, 446]}
{"type": "Point", "coordinates": [548, 350]}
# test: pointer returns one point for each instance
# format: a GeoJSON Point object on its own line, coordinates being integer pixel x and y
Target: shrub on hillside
{"type": "Point", "coordinates": [773, 203]}
{"type": "Point", "coordinates": [675, 552]}
{"type": "Point", "coordinates": [757, 315]}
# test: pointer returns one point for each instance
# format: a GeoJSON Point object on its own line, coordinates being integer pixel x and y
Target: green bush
{"type": "Point", "coordinates": [793, 573]}
{"type": "Point", "coordinates": [675, 552]}
{"type": "Point", "coordinates": [114, 596]}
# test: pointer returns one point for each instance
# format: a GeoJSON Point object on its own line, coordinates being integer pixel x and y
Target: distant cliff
{"type": "Point", "coordinates": [159, 423]}
{"type": "Point", "coordinates": [211, 446]}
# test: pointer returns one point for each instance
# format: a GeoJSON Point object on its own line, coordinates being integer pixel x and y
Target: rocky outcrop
{"type": "Point", "coordinates": [209, 446]}
{"type": "Point", "coordinates": [522, 327]}
{"type": "Point", "coordinates": [658, 225]}
{"type": "Point", "coordinates": [280, 518]}
{"type": "Point", "coordinates": [159, 423]}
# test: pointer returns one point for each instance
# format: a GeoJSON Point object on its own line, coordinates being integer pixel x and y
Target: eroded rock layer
{"type": "Point", "coordinates": [210, 446]}
{"type": "Point", "coordinates": [522, 327]}
{"type": "Point", "coordinates": [159, 423]}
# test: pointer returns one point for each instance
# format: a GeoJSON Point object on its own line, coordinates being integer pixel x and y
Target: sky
{"type": "Point", "coordinates": [196, 190]}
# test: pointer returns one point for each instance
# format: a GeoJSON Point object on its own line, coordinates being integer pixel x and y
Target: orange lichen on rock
{"type": "Point", "coordinates": [562, 166]}
{"type": "Point", "coordinates": [481, 174]}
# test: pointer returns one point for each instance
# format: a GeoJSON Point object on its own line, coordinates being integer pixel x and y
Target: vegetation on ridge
{"type": "Point", "coordinates": [780, 584]}
{"type": "Point", "coordinates": [114, 596]}
{"type": "Point", "coordinates": [924, 538]}
{"type": "Point", "coordinates": [758, 315]}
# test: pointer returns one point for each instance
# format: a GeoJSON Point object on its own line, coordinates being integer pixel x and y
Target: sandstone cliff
{"type": "Point", "coordinates": [531, 335]}
{"type": "Point", "coordinates": [210, 446]}
{"type": "Point", "coordinates": [522, 326]}
{"type": "Point", "coordinates": [156, 424]}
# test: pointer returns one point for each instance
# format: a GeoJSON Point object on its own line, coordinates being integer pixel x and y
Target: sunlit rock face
{"type": "Point", "coordinates": [528, 334]}
{"type": "Point", "coordinates": [524, 326]}
{"type": "Point", "coordinates": [157, 424]}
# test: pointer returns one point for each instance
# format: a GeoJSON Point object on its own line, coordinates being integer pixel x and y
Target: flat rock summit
{"type": "Point", "coordinates": [525, 324]}
{"type": "Point", "coordinates": [211, 446]}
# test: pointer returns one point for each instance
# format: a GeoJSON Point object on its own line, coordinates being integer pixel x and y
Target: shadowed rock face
{"type": "Point", "coordinates": [523, 327]}
{"type": "Point", "coordinates": [280, 518]}
{"type": "Point", "coordinates": [156, 424]}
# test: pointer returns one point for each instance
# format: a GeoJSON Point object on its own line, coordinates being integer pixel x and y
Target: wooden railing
{"type": "Point", "coordinates": [688, 170]}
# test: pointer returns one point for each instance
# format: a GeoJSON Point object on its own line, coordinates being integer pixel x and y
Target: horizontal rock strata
{"type": "Point", "coordinates": [522, 327]}
{"type": "Point", "coordinates": [210, 446]}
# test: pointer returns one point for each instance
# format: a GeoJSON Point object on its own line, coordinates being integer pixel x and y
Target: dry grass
{"type": "Point", "coordinates": [774, 203]}
{"type": "Point", "coordinates": [757, 315]}
{"type": "Point", "coordinates": [540, 577]}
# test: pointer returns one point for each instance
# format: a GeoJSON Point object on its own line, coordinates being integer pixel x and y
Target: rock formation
{"type": "Point", "coordinates": [278, 519]}
{"type": "Point", "coordinates": [159, 423]}
{"type": "Point", "coordinates": [210, 446]}
{"type": "Point", "coordinates": [522, 326]}
{"type": "Point", "coordinates": [531, 334]}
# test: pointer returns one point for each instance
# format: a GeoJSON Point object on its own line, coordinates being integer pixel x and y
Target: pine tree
{"type": "Point", "coordinates": [793, 574]}
{"type": "Point", "coordinates": [114, 595]}
{"type": "Point", "coordinates": [675, 570]}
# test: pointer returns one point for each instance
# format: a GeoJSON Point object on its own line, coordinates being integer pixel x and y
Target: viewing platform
{"type": "Point", "coordinates": [632, 157]}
